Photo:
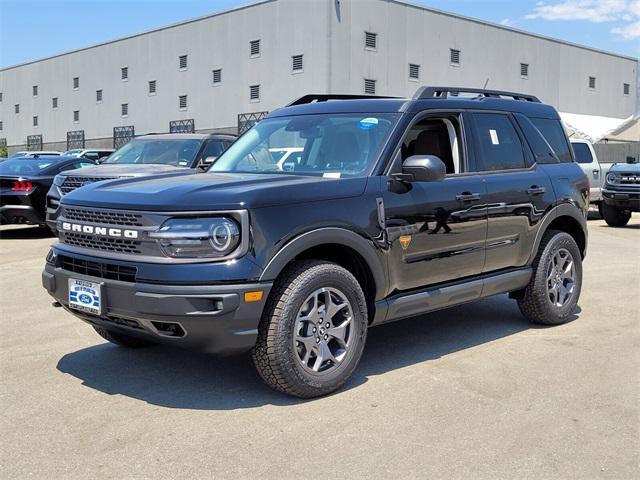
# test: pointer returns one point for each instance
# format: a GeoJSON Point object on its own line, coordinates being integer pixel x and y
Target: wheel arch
{"type": "Point", "coordinates": [341, 246]}
{"type": "Point", "coordinates": [566, 218]}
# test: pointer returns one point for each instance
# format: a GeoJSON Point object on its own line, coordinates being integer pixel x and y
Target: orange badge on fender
{"type": "Point", "coordinates": [405, 240]}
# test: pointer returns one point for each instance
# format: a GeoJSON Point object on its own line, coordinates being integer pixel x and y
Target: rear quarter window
{"type": "Point", "coordinates": [554, 134]}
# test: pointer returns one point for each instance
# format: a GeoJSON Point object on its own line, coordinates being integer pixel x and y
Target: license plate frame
{"type": "Point", "coordinates": [86, 296]}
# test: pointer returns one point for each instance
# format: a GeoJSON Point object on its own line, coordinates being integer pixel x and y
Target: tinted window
{"type": "Point", "coordinates": [92, 155]}
{"type": "Point", "coordinates": [498, 143]}
{"type": "Point", "coordinates": [25, 166]}
{"type": "Point", "coordinates": [583, 154]}
{"type": "Point", "coordinates": [542, 151]}
{"type": "Point", "coordinates": [554, 133]}
{"type": "Point", "coordinates": [178, 152]}
{"type": "Point", "coordinates": [214, 149]}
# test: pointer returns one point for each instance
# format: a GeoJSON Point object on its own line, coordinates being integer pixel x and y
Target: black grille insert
{"type": "Point", "coordinates": [98, 269]}
{"type": "Point", "coordinates": [104, 217]}
{"type": "Point", "coordinates": [71, 183]}
{"type": "Point", "coordinates": [119, 245]}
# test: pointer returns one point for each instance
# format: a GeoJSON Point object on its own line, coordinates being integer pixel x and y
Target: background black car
{"type": "Point", "coordinates": [24, 183]}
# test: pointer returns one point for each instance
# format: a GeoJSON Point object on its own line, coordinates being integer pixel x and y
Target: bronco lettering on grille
{"type": "Point", "coordinates": [104, 231]}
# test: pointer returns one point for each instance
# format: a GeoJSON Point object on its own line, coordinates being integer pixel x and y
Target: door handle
{"type": "Point", "coordinates": [535, 190]}
{"type": "Point", "coordinates": [467, 196]}
{"type": "Point", "coordinates": [596, 173]}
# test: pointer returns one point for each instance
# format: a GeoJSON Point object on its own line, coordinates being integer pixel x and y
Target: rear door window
{"type": "Point", "coordinates": [554, 134]}
{"type": "Point", "coordinates": [497, 142]}
{"type": "Point", "coordinates": [582, 152]}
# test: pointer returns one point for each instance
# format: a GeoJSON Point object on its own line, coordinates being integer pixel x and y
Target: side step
{"type": "Point", "coordinates": [430, 299]}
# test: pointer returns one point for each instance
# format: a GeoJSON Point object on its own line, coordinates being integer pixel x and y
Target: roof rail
{"type": "Point", "coordinates": [444, 92]}
{"type": "Point", "coordinates": [323, 97]}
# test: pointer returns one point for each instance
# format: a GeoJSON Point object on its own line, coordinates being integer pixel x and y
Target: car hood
{"type": "Point", "coordinates": [213, 191]}
{"type": "Point", "coordinates": [123, 170]}
{"type": "Point", "coordinates": [625, 168]}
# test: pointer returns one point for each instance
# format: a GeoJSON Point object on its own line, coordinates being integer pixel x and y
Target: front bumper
{"type": "Point", "coordinates": [20, 214]}
{"type": "Point", "coordinates": [623, 200]}
{"type": "Point", "coordinates": [208, 318]}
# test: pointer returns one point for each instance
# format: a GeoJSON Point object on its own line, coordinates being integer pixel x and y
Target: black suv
{"type": "Point", "coordinates": [394, 208]}
{"type": "Point", "coordinates": [148, 155]}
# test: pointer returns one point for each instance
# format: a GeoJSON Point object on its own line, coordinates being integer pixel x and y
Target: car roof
{"type": "Point", "coordinates": [407, 105]}
{"type": "Point", "coordinates": [173, 136]}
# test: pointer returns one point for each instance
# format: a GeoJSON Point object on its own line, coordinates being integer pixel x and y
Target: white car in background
{"type": "Point", "coordinates": [595, 171]}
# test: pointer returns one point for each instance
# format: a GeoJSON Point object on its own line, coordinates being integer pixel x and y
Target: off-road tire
{"type": "Point", "coordinates": [600, 209]}
{"type": "Point", "coordinates": [274, 355]}
{"type": "Point", "coordinates": [121, 339]}
{"type": "Point", "coordinates": [615, 217]}
{"type": "Point", "coordinates": [534, 302]}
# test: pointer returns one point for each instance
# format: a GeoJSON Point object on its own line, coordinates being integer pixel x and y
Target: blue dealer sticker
{"type": "Point", "coordinates": [367, 123]}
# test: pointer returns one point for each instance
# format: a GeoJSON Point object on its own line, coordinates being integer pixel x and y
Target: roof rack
{"type": "Point", "coordinates": [444, 92]}
{"type": "Point", "coordinates": [322, 97]}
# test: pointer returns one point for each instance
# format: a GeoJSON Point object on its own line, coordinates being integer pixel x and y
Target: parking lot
{"type": "Point", "coordinates": [471, 392]}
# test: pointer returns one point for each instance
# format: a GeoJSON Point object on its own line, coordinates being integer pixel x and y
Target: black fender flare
{"type": "Point", "coordinates": [562, 210]}
{"type": "Point", "coordinates": [329, 235]}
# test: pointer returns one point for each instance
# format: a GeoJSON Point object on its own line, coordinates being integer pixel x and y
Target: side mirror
{"type": "Point", "coordinates": [424, 168]}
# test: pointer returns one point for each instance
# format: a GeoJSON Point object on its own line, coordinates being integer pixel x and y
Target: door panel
{"type": "Point", "coordinates": [516, 202]}
{"type": "Point", "coordinates": [435, 237]}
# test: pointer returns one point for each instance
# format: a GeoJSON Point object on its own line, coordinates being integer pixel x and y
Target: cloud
{"type": "Point", "coordinates": [507, 22]}
{"type": "Point", "coordinates": [625, 12]}
{"type": "Point", "coordinates": [628, 32]}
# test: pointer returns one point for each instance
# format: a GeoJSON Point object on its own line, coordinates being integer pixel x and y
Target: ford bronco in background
{"type": "Point", "coordinates": [148, 155]}
{"type": "Point", "coordinates": [393, 208]}
{"type": "Point", "coordinates": [621, 193]}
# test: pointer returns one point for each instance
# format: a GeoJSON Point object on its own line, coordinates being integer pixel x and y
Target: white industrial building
{"type": "Point", "coordinates": [255, 58]}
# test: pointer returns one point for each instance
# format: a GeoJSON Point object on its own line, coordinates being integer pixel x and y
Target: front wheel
{"type": "Point", "coordinates": [554, 288]}
{"type": "Point", "coordinates": [313, 330]}
{"type": "Point", "coordinates": [615, 217]}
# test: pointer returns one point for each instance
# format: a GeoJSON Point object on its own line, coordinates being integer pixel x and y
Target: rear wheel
{"type": "Point", "coordinates": [615, 217]}
{"type": "Point", "coordinates": [554, 288]}
{"type": "Point", "coordinates": [313, 330]}
{"type": "Point", "coordinates": [122, 339]}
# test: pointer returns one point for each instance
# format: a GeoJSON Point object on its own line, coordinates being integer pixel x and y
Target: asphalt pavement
{"type": "Point", "coordinates": [473, 392]}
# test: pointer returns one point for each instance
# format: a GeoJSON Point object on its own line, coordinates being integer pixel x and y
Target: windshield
{"type": "Point", "coordinates": [176, 152]}
{"type": "Point", "coordinates": [25, 166]}
{"type": "Point", "coordinates": [332, 145]}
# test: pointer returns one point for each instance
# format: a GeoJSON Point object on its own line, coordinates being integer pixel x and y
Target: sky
{"type": "Point", "coordinates": [33, 29]}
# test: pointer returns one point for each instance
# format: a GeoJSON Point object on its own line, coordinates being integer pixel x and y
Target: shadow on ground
{"type": "Point", "coordinates": [175, 378]}
{"type": "Point", "coordinates": [24, 232]}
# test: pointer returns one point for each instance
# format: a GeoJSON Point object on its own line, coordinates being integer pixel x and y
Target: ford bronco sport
{"type": "Point", "coordinates": [396, 207]}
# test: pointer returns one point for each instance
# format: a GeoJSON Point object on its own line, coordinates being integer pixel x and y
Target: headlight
{"type": "Point", "coordinates": [212, 237]}
{"type": "Point", "coordinates": [613, 178]}
{"type": "Point", "coordinates": [58, 180]}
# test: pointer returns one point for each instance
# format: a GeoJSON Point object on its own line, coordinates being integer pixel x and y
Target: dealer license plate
{"type": "Point", "coordinates": [85, 296]}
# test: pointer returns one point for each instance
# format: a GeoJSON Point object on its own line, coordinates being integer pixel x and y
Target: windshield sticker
{"type": "Point", "coordinates": [494, 137]}
{"type": "Point", "coordinates": [331, 175]}
{"type": "Point", "coordinates": [367, 123]}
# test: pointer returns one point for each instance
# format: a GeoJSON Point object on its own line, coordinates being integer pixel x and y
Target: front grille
{"type": "Point", "coordinates": [103, 217]}
{"type": "Point", "coordinates": [71, 183]}
{"type": "Point", "coordinates": [119, 245]}
{"type": "Point", "coordinates": [98, 269]}
{"type": "Point", "coordinates": [630, 179]}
